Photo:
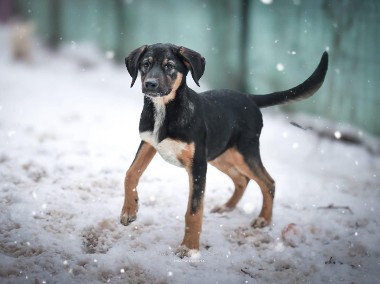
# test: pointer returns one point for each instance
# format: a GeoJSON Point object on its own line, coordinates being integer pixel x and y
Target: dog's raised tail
{"type": "Point", "coordinates": [300, 92]}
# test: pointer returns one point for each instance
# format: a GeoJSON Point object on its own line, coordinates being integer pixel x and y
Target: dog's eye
{"type": "Point", "coordinates": [169, 66]}
{"type": "Point", "coordinates": [146, 64]}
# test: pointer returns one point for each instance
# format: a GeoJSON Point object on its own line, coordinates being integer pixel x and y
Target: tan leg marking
{"type": "Point", "coordinates": [224, 163]}
{"type": "Point", "coordinates": [193, 226]}
{"type": "Point", "coordinates": [193, 221]}
{"type": "Point", "coordinates": [260, 176]}
{"type": "Point", "coordinates": [186, 156]}
{"type": "Point", "coordinates": [139, 165]}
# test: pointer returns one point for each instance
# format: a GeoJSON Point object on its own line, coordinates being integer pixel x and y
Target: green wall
{"type": "Point", "coordinates": [242, 42]}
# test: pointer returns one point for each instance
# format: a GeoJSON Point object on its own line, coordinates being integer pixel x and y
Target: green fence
{"type": "Point", "coordinates": [248, 45]}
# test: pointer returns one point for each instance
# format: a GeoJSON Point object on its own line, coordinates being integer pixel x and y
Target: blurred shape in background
{"type": "Point", "coordinates": [5, 10]}
{"type": "Point", "coordinates": [21, 39]}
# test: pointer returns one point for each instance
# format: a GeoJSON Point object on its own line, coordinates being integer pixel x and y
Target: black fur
{"type": "Point", "coordinates": [300, 92]}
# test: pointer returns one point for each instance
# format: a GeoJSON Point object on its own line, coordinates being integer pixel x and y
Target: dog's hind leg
{"type": "Point", "coordinates": [248, 162]}
{"type": "Point", "coordinates": [224, 163]}
{"type": "Point", "coordinates": [267, 186]}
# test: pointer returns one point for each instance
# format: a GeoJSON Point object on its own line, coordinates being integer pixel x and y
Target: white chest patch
{"type": "Point", "coordinates": [169, 149]}
{"type": "Point", "coordinates": [159, 115]}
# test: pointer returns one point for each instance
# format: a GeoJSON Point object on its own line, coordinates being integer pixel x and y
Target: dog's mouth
{"type": "Point", "coordinates": [153, 95]}
{"type": "Point", "coordinates": [156, 94]}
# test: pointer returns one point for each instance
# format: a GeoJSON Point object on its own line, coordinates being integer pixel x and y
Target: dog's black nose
{"type": "Point", "coordinates": [151, 84]}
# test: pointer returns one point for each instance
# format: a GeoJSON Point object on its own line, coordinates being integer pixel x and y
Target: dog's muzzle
{"type": "Point", "coordinates": [151, 84]}
{"type": "Point", "coordinates": [150, 87]}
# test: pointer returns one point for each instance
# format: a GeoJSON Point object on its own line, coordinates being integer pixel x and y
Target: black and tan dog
{"type": "Point", "coordinates": [189, 130]}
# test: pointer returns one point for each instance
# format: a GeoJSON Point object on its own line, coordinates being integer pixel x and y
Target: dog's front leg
{"type": "Point", "coordinates": [193, 218]}
{"type": "Point", "coordinates": [144, 155]}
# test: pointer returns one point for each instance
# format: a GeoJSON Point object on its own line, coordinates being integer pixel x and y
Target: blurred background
{"type": "Point", "coordinates": [256, 46]}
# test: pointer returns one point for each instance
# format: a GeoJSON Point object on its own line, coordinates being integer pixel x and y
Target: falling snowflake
{"type": "Point", "coordinates": [110, 54]}
{"type": "Point", "coordinates": [280, 67]}
{"type": "Point", "coordinates": [267, 2]}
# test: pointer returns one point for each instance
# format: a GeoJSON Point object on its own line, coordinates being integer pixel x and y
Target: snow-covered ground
{"type": "Point", "coordinates": [69, 131]}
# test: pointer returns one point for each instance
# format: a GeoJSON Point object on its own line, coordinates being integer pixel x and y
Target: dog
{"type": "Point", "coordinates": [190, 130]}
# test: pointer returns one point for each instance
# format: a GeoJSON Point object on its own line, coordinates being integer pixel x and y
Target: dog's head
{"type": "Point", "coordinates": [163, 67]}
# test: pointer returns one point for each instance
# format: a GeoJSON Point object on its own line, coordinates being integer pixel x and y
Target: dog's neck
{"type": "Point", "coordinates": [159, 113]}
{"type": "Point", "coordinates": [178, 111]}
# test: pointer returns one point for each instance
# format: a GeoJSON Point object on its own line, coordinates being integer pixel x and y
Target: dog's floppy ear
{"type": "Point", "coordinates": [194, 62]}
{"type": "Point", "coordinates": [133, 60]}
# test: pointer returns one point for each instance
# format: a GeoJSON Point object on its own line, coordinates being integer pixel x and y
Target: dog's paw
{"type": "Point", "coordinates": [127, 219]}
{"type": "Point", "coordinates": [221, 209]}
{"type": "Point", "coordinates": [259, 222]}
{"type": "Point", "coordinates": [183, 251]}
